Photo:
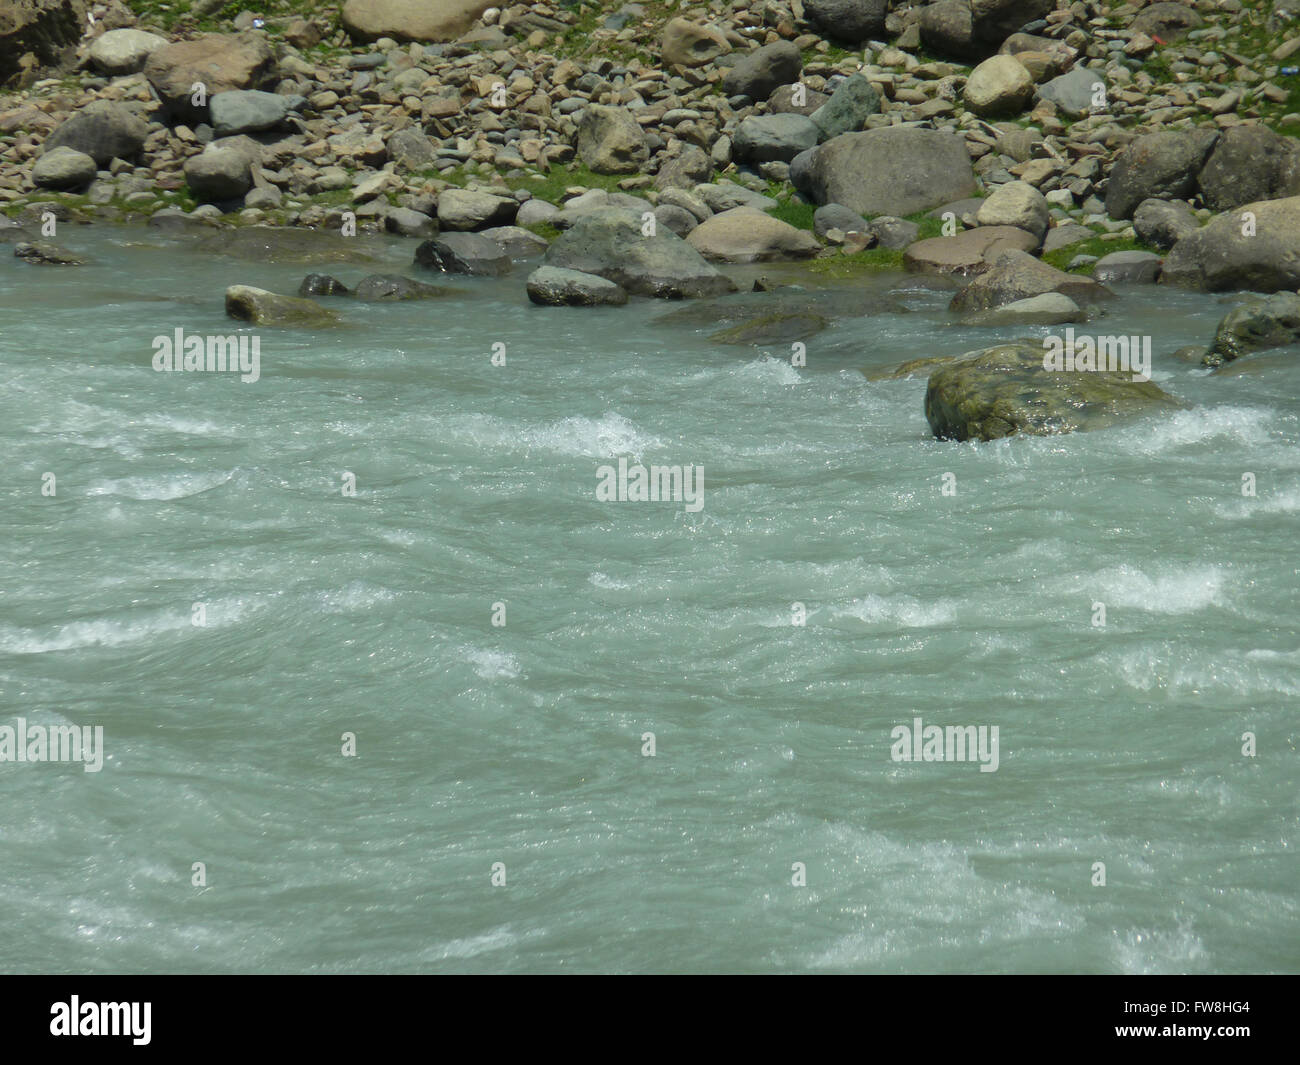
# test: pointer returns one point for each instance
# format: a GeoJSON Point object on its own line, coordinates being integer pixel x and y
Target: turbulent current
{"type": "Point", "coordinates": [385, 686]}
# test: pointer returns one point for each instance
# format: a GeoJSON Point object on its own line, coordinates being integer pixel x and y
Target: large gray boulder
{"type": "Point", "coordinates": [1160, 166]}
{"type": "Point", "coordinates": [552, 286]}
{"type": "Point", "coordinates": [1167, 21]}
{"type": "Point", "coordinates": [120, 52]}
{"type": "Point", "coordinates": [1004, 390]}
{"type": "Point", "coordinates": [973, 29]}
{"type": "Point", "coordinates": [896, 170]}
{"type": "Point", "coordinates": [611, 141]}
{"type": "Point", "coordinates": [851, 21]}
{"type": "Point", "coordinates": [103, 130]}
{"type": "Point", "coordinates": [36, 34]}
{"type": "Point", "coordinates": [1074, 93]}
{"type": "Point", "coordinates": [1256, 325]}
{"type": "Point", "coordinates": [219, 173]}
{"type": "Point", "coordinates": [1249, 163]}
{"type": "Point", "coordinates": [465, 209]}
{"type": "Point", "coordinates": [998, 86]}
{"type": "Point", "coordinates": [1016, 275]}
{"type": "Point", "coordinates": [463, 253]}
{"type": "Point", "coordinates": [249, 111]}
{"type": "Point", "coordinates": [762, 138]}
{"type": "Point", "coordinates": [758, 73]}
{"type": "Point", "coordinates": [64, 169]}
{"type": "Point", "coordinates": [610, 243]}
{"type": "Point", "coordinates": [1017, 203]}
{"type": "Point", "coordinates": [1127, 268]}
{"type": "Point", "coordinates": [1256, 247]}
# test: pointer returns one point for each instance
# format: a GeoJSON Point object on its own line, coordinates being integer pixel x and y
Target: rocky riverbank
{"type": "Point", "coordinates": [1028, 153]}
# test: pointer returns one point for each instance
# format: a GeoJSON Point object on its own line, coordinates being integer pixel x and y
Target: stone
{"type": "Point", "coordinates": [678, 219]}
{"type": "Point", "coordinates": [758, 73]}
{"type": "Point", "coordinates": [553, 286]}
{"type": "Point", "coordinates": [893, 233]}
{"type": "Point", "coordinates": [1249, 163]}
{"type": "Point", "coordinates": [104, 130]}
{"type": "Point", "coordinates": [1005, 390]}
{"type": "Point", "coordinates": [850, 21]}
{"type": "Point", "coordinates": [692, 44]}
{"type": "Point", "coordinates": [1016, 275]}
{"type": "Point", "coordinates": [536, 212]}
{"type": "Point", "coordinates": [465, 209]}
{"type": "Point", "coordinates": [1256, 325]}
{"type": "Point", "coordinates": [1160, 166]}
{"type": "Point", "coordinates": [837, 216]}
{"type": "Point", "coordinates": [998, 86]}
{"type": "Point", "coordinates": [221, 62]}
{"type": "Point", "coordinates": [1015, 204]}
{"type": "Point", "coordinates": [685, 169]}
{"type": "Point", "coordinates": [463, 253]}
{"type": "Point", "coordinates": [609, 242]}
{"type": "Point", "coordinates": [322, 285]}
{"type": "Point", "coordinates": [64, 169]}
{"type": "Point", "coordinates": [854, 101]}
{"type": "Point", "coordinates": [218, 174]}
{"type": "Point", "coordinates": [967, 253]}
{"type": "Point", "coordinates": [761, 138]}
{"type": "Point", "coordinates": [410, 149]}
{"type": "Point", "coordinates": [257, 305]}
{"type": "Point", "coordinates": [389, 288]}
{"type": "Point", "coordinates": [1074, 93]}
{"type": "Point", "coordinates": [1127, 267]}
{"type": "Point", "coordinates": [247, 111]}
{"type": "Point", "coordinates": [515, 241]}
{"type": "Point", "coordinates": [120, 52]}
{"type": "Point", "coordinates": [1163, 223]}
{"type": "Point", "coordinates": [1051, 308]}
{"type": "Point", "coordinates": [897, 170]}
{"type": "Point", "coordinates": [411, 20]}
{"type": "Point", "coordinates": [1063, 236]}
{"type": "Point", "coordinates": [1219, 257]}
{"type": "Point", "coordinates": [38, 34]}
{"type": "Point", "coordinates": [43, 253]}
{"type": "Point", "coordinates": [747, 235]}
{"type": "Point", "coordinates": [611, 141]}
{"type": "Point", "coordinates": [1169, 22]}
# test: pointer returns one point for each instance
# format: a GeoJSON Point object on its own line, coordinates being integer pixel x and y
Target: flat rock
{"type": "Point", "coordinates": [553, 286]}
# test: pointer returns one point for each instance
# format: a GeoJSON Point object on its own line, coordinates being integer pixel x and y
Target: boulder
{"type": "Point", "coordinates": [850, 21]}
{"type": "Point", "coordinates": [43, 253]}
{"type": "Point", "coordinates": [724, 195]}
{"type": "Point", "coordinates": [120, 52]}
{"type": "Point", "coordinates": [1073, 93]}
{"type": "Point", "coordinates": [609, 242]}
{"type": "Point", "coordinates": [465, 209]}
{"type": "Point", "coordinates": [1051, 308]}
{"type": "Point", "coordinates": [968, 253]}
{"type": "Point", "coordinates": [746, 235]}
{"type": "Point", "coordinates": [218, 174]}
{"type": "Point", "coordinates": [1018, 204]}
{"type": "Point", "coordinates": [411, 149]}
{"type": "Point", "coordinates": [758, 73]}
{"type": "Point", "coordinates": [678, 219]}
{"type": "Point", "coordinates": [1169, 22]}
{"type": "Point", "coordinates": [1127, 267]}
{"type": "Point", "coordinates": [1159, 166]}
{"type": "Point", "coordinates": [782, 101]}
{"type": "Point", "coordinates": [1231, 253]}
{"type": "Point", "coordinates": [515, 241]}
{"type": "Point", "coordinates": [685, 168]}
{"type": "Point", "coordinates": [895, 170]}
{"type": "Point", "coordinates": [248, 111]}
{"type": "Point", "coordinates": [35, 34]}
{"type": "Point", "coordinates": [611, 141]}
{"type": "Point", "coordinates": [893, 233]}
{"type": "Point", "coordinates": [1016, 275]}
{"type": "Point", "coordinates": [322, 285]}
{"type": "Point", "coordinates": [1003, 390]}
{"type": "Point", "coordinates": [103, 130]}
{"type": "Point", "coordinates": [998, 86]}
{"type": "Point", "coordinates": [691, 44]}
{"type": "Point", "coordinates": [261, 307]}
{"type": "Point", "coordinates": [973, 29]}
{"type": "Point", "coordinates": [1249, 163]}
{"type": "Point", "coordinates": [463, 253]}
{"type": "Point", "coordinates": [536, 212]}
{"type": "Point", "coordinates": [64, 169]}
{"type": "Point", "coordinates": [388, 288]}
{"type": "Point", "coordinates": [837, 216]}
{"type": "Point", "coordinates": [1163, 223]}
{"type": "Point", "coordinates": [1256, 325]}
{"type": "Point", "coordinates": [1062, 236]}
{"type": "Point", "coordinates": [220, 62]}
{"type": "Point", "coordinates": [411, 20]}
{"type": "Point", "coordinates": [762, 138]}
{"type": "Point", "coordinates": [552, 286]}
{"type": "Point", "coordinates": [853, 101]}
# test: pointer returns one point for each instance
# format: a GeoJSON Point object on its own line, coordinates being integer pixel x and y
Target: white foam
{"type": "Point", "coordinates": [1174, 591]}
{"type": "Point", "coordinates": [609, 436]}
{"type": "Point", "coordinates": [163, 486]}
{"type": "Point", "coordinates": [1284, 501]}
{"type": "Point", "coordinates": [902, 609]}
{"type": "Point", "coordinates": [1242, 425]}
{"type": "Point", "coordinates": [492, 664]}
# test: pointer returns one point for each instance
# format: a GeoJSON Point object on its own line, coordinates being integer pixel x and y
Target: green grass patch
{"type": "Point", "coordinates": [1095, 246]}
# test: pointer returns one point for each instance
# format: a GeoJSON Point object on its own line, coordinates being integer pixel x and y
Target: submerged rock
{"type": "Point", "coordinates": [42, 253]}
{"type": "Point", "coordinates": [553, 286]}
{"type": "Point", "coordinates": [1051, 308]}
{"type": "Point", "coordinates": [463, 253]}
{"type": "Point", "coordinates": [391, 287]}
{"type": "Point", "coordinates": [1017, 276]}
{"type": "Point", "coordinates": [781, 315]}
{"type": "Point", "coordinates": [1256, 325]}
{"type": "Point", "coordinates": [261, 307]}
{"type": "Point", "coordinates": [1004, 390]}
{"type": "Point", "coordinates": [322, 285]}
